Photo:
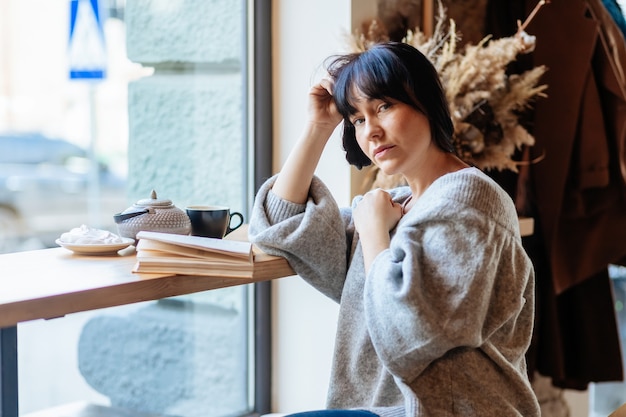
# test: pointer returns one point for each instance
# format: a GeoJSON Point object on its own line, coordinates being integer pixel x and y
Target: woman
{"type": "Point", "coordinates": [435, 288]}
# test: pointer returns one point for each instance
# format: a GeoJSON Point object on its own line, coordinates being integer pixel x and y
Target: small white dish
{"type": "Point", "coordinates": [96, 248]}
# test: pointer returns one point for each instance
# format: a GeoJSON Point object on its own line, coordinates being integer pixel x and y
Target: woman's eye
{"type": "Point", "coordinates": [358, 121]}
{"type": "Point", "coordinates": [384, 106]}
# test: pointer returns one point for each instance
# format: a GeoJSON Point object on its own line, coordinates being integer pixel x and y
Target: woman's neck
{"type": "Point", "coordinates": [440, 164]}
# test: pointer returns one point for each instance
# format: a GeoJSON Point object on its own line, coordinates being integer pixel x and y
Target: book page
{"type": "Point", "coordinates": [194, 245]}
{"type": "Point", "coordinates": [148, 250]}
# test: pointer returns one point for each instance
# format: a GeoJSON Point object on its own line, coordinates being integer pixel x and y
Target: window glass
{"type": "Point", "coordinates": [63, 143]}
{"type": "Point", "coordinates": [169, 114]}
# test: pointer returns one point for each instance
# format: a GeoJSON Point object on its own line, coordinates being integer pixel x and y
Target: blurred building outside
{"type": "Point", "coordinates": [37, 96]}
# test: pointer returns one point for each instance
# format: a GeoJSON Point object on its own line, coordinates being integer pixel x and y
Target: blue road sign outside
{"type": "Point", "coordinates": [87, 50]}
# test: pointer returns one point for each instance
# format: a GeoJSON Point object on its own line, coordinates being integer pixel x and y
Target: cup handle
{"type": "Point", "coordinates": [235, 214]}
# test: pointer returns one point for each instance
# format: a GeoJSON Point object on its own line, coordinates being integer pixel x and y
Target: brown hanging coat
{"type": "Point", "coordinates": [578, 189]}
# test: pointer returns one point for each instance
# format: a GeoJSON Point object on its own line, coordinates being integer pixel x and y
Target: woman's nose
{"type": "Point", "coordinates": [372, 128]}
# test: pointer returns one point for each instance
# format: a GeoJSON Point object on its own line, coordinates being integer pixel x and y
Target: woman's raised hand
{"type": "Point", "coordinates": [294, 180]}
{"type": "Point", "coordinates": [322, 108]}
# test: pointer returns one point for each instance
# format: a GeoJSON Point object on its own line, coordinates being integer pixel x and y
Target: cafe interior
{"type": "Point", "coordinates": [195, 102]}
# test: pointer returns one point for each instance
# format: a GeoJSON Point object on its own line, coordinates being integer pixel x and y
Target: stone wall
{"type": "Point", "coordinates": [186, 135]}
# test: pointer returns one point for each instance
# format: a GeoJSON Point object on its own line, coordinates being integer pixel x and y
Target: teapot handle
{"type": "Point", "coordinates": [120, 217]}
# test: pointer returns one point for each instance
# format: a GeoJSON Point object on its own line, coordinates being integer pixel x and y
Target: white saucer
{"type": "Point", "coordinates": [96, 248]}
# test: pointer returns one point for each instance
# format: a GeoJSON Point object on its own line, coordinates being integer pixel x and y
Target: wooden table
{"type": "Point", "coordinates": [50, 283]}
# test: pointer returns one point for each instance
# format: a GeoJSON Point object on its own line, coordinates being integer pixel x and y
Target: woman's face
{"type": "Point", "coordinates": [394, 135]}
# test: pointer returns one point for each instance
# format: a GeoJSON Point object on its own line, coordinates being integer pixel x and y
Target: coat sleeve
{"type": "Point", "coordinates": [311, 236]}
{"type": "Point", "coordinates": [442, 284]}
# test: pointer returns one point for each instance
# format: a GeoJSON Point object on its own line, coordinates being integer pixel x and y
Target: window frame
{"type": "Point", "coordinates": [260, 147]}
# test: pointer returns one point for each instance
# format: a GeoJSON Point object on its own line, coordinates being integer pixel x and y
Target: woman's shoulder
{"type": "Point", "coordinates": [469, 190]}
{"type": "Point", "coordinates": [470, 184]}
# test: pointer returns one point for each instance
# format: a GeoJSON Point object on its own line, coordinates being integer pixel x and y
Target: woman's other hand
{"type": "Point", "coordinates": [374, 216]}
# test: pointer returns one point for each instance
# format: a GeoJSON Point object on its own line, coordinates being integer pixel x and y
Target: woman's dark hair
{"type": "Point", "coordinates": [392, 70]}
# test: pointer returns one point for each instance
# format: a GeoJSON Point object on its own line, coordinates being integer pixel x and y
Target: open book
{"type": "Point", "coordinates": [193, 255]}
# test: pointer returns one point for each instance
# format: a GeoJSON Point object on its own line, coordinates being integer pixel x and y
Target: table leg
{"type": "Point", "coordinates": [8, 372]}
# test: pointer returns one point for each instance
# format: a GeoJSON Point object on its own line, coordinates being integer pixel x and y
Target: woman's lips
{"type": "Point", "coordinates": [381, 150]}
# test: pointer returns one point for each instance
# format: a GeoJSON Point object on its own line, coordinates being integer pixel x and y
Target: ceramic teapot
{"type": "Point", "coordinates": [152, 214]}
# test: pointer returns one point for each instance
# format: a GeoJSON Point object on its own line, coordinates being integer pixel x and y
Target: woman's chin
{"type": "Point", "coordinates": [387, 169]}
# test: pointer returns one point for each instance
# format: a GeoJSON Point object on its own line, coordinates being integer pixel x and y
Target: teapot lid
{"type": "Point", "coordinates": [153, 201]}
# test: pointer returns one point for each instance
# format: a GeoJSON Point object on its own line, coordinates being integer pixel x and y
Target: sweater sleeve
{"type": "Point", "coordinates": [446, 282]}
{"type": "Point", "coordinates": [312, 237]}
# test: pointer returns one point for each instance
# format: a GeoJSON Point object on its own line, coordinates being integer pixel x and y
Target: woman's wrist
{"type": "Point", "coordinates": [320, 131]}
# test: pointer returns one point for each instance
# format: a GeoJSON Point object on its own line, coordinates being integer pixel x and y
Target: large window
{"type": "Point", "coordinates": [182, 108]}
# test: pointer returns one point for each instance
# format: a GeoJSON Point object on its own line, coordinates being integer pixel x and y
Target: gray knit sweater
{"type": "Point", "coordinates": [441, 324]}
